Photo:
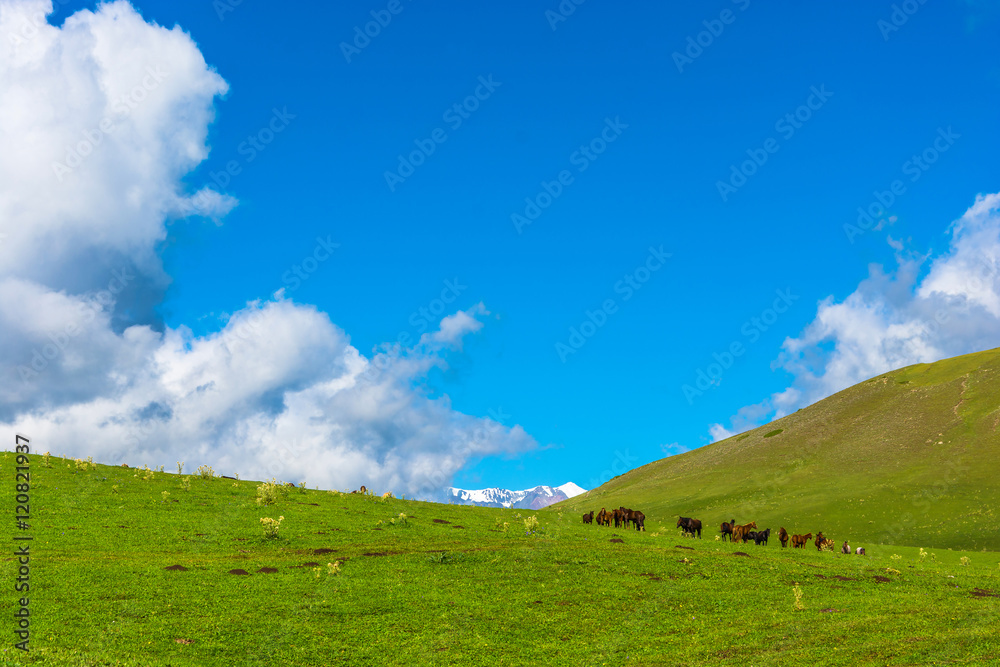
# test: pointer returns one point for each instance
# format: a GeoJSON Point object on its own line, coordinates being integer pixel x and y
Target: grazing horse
{"type": "Point", "coordinates": [750, 535]}
{"type": "Point", "coordinates": [619, 515]}
{"type": "Point", "coordinates": [846, 549]}
{"type": "Point", "coordinates": [820, 538]}
{"type": "Point", "coordinates": [860, 551]}
{"type": "Point", "coordinates": [761, 536]}
{"type": "Point", "coordinates": [827, 544]}
{"type": "Point", "coordinates": [783, 536]}
{"type": "Point", "coordinates": [589, 518]}
{"type": "Point", "coordinates": [602, 517]}
{"type": "Point", "coordinates": [799, 541]}
{"type": "Point", "coordinates": [739, 532]}
{"type": "Point", "coordinates": [689, 525]}
{"type": "Point", "coordinates": [727, 529]}
{"type": "Point", "coordinates": [639, 519]}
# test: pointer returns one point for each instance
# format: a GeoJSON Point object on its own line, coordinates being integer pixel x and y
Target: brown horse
{"type": "Point", "coordinates": [820, 538]}
{"type": "Point", "coordinates": [689, 526]}
{"type": "Point", "coordinates": [727, 529]}
{"type": "Point", "coordinates": [799, 541]}
{"type": "Point", "coordinates": [783, 536]}
{"type": "Point", "coordinates": [589, 518]}
{"type": "Point", "coordinates": [740, 532]}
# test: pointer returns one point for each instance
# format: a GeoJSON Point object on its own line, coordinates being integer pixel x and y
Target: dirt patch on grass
{"type": "Point", "coordinates": [320, 552]}
{"type": "Point", "coordinates": [880, 579]}
{"type": "Point", "coordinates": [462, 527]}
{"type": "Point", "coordinates": [440, 521]}
{"type": "Point", "coordinates": [820, 576]}
{"type": "Point", "coordinates": [740, 553]}
{"type": "Point", "coordinates": [984, 593]}
{"type": "Point", "coordinates": [680, 547]}
{"type": "Point", "coordinates": [619, 541]}
{"type": "Point", "coordinates": [310, 564]}
{"type": "Point", "coordinates": [841, 577]}
{"type": "Point", "coordinates": [182, 640]}
{"type": "Point", "coordinates": [380, 553]}
{"type": "Point", "coordinates": [238, 571]}
{"type": "Point", "coordinates": [267, 570]}
{"type": "Point", "coordinates": [178, 568]}
{"type": "Point", "coordinates": [313, 504]}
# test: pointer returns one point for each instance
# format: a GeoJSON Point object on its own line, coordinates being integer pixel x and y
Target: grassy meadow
{"type": "Point", "coordinates": [354, 579]}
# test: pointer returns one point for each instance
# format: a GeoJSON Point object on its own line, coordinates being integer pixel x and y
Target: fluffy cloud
{"type": "Point", "coordinates": [102, 118]}
{"type": "Point", "coordinates": [895, 319]}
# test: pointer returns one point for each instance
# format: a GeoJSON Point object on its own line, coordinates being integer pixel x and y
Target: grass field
{"type": "Point", "coordinates": [909, 457]}
{"type": "Point", "coordinates": [454, 585]}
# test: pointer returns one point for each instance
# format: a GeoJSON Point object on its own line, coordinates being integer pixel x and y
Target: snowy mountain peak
{"type": "Point", "coordinates": [536, 498]}
{"type": "Point", "coordinates": [571, 489]}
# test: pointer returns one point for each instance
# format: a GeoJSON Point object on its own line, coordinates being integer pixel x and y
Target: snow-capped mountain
{"type": "Point", "coordinates": [534, 499]}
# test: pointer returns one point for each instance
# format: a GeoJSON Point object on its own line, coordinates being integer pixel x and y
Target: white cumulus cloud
{"type": "Point", "coordinates": [895, 319]}
{"type": "Point", "coordinates": [101, 120]}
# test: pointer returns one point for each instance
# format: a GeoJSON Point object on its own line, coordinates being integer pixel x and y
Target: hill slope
{"type": "Point", "coordinates": [909, 457]}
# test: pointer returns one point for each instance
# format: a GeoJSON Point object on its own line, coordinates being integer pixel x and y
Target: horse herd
{"type": "Point", "coordinates": [733, 531]}
{"type": "Point", "coordinates": [747, 532]}
{"type": "Point", "coordinates": [622, 516]}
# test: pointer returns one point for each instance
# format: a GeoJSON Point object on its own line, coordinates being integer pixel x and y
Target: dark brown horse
{"type": "Point", "coordinates": [589, 518]}
{"type": "Point", "coordinates": [727, 529]}
{"type": "Point", "coordinates": [689, 526]}
{"type": "Point", "coordinates": [783, 536]}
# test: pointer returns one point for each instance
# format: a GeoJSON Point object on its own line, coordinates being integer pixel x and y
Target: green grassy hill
{"type": "Point", "coordinates": [911, 457]}
{"type": "Point", "coordinates": [130, 568]}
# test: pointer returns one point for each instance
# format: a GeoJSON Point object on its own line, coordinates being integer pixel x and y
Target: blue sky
{"type": "Point", "coordinates": [643, 139]}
